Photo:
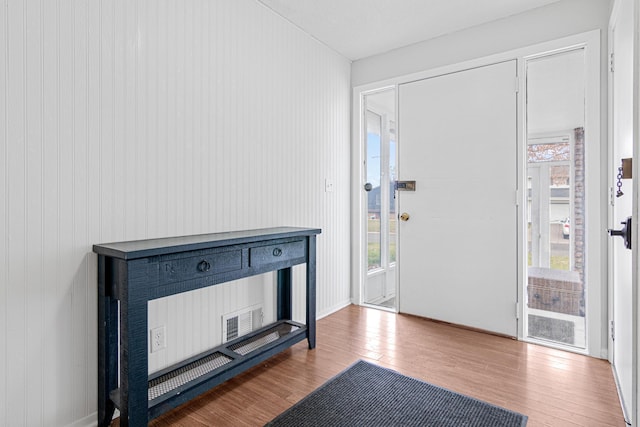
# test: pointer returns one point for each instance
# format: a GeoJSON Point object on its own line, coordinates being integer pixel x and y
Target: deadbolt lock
{"type": "Point", "coordinates": [405, 216]}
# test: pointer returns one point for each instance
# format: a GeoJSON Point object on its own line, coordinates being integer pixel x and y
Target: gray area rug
{"type": "Point", "coordinates": [368, 395]}
{"type": "Point", "coordinates": [551, 329]}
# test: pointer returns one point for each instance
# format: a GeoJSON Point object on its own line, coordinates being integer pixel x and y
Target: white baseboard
{"type": "Point", "coordinates": [91, 420]}
{"type": "Point", "coordinates": [88, 421]}
{"type": "Point", "coordinates": [625, 411]}
{"type": "Point", "coordinates": [333, 309]}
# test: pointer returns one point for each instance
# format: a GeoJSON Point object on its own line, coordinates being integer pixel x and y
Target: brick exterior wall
{"type": "Point", "coordinates": [578, 202]}
{"type": "Point", "coordinates": [556, 290]}
{"type": "Point", "coordinates": [578, 225]}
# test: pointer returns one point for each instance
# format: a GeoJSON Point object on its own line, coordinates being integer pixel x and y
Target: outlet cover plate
{"type": "Point", "coordinates": [158, 338]}
{"type": "Point", "coordinates": [328, 185]}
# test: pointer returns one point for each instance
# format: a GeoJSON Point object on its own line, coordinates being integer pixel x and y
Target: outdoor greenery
{"type": "Point", "coordinates": [373, 225]}
{"type": "Point", "coordinates": [374, 254]}
{"type": "Point", "coordinates": [557, 262]}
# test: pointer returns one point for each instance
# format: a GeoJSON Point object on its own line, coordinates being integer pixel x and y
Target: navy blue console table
{"type": "Point", "coordinates": [132, 273]}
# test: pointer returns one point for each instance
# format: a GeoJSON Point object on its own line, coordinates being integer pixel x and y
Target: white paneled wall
{"type": "Point", "coordinates": [123, 119]}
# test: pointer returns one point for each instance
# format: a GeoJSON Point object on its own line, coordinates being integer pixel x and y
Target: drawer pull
{"type": "Point", "coordinates": [204, 265]}
{"type": "Point", "coordinates": [260, 256]}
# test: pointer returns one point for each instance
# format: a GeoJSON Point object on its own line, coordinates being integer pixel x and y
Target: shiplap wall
{"type": "Point", "coordinates": [123, 119]}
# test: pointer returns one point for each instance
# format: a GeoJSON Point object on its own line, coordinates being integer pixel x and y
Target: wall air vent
{"type": "Point", "coordinates": [241, 322]}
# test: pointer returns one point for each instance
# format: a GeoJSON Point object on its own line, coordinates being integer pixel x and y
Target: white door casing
{"type": "Point", "coordinates": [620, 259]}
{"type": "Point", "coordinates": [458, 256]}
{"type": "Point", "coordinates": [594, 162]}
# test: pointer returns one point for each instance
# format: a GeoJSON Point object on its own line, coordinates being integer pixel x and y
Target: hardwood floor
{"type": "Point", "coordinates": [552, 387]}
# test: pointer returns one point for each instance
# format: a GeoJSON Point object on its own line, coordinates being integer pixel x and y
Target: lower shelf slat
{"type": "Point", "coordinates": [191, 372]}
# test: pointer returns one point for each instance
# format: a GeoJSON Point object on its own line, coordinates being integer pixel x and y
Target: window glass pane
{"type": "Point", "coordinates": [393, 218]}
{"type": "Point", "coordinates": [549, 152]}
{"type": "Point", "coordinates": [559, 217]}
{"type": "Point", "coordinates": [373, 196]}
{"type": "Point", "coordinates": [380, 175]}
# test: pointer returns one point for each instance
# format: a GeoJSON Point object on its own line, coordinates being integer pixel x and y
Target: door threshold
{"type": "Point", "coordinates": [556, 345]}
{"type": "Point", "coordinates": [380, 307]}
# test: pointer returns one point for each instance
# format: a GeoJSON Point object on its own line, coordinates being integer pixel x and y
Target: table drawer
{"type": "Point", "coordinates": [265, 255]}
{"type": "Point", "coordinates": [201, 265]}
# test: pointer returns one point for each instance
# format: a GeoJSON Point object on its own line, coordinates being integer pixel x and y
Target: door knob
{"type": "Point", "coordinates": [405, 216]}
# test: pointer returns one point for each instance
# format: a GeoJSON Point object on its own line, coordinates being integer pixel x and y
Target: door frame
{"type": "Point", "coordinates": [594, 271]}
{"type": "Point", "coordinates": [359, 229]}
{"type": "Point", "coordinates": [386, 269]}
{"type": "Point", "coordinates": [636, 210]}
{"type": "Point", "coordinates": [633, 406]}
{"type": "Point", "coordinates": [591, 323]}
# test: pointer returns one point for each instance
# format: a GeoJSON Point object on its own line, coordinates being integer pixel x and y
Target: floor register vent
{"type": "Point", "coordinates": [241, 322]}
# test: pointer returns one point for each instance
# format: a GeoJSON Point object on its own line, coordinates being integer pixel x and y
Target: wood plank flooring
{"type": "Point", "coordinates": [552, 387]}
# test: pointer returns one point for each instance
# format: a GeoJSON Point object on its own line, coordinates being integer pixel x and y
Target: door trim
{"type": "Point", "coordinates": [359, 199]}
{"type": "Point", "coordinates": [631, 408]}
{"type": "Point", "coordinates": [594, 271]}
{"type": "Point", "coordinates": [386, 268]}
{"type": "Point", "coordinates": [611, 173]}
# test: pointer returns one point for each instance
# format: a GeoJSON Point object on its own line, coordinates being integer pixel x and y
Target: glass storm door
{"type": "Point", "coordinates": [555, 294]}
{"type": "Point", "coordinates": [380, 175]}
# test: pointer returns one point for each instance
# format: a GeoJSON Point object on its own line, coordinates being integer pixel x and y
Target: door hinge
{"type": "Point", "coordinates": [518, 195]}
{"type": "Point", "coordinates": [517, 309]}
{"type": "Point", "coordinates": [612, 199]}
{"type": "Point", "coordinates": [613, 332]}
{"type": "Point", "coordinates": [517, 83]}
{"type": "Point", "coordinates": [611, 62]}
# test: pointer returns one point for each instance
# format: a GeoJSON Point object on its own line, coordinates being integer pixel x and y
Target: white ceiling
{"type": "Point", "coordinates": [360, 28]}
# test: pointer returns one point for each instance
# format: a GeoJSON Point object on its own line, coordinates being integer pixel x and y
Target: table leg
{"type": "Point", "coordinates": [311, 291]}
{"type": "Point", "coordinates": [107, 342]}
{"type": "Point", "coordinates": [284, 294]}
{"type": "Point", "coordinates": [134, 343]}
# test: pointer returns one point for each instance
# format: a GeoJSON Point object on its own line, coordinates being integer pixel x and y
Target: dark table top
{"type": "Point", "coordinates": [153, 247]}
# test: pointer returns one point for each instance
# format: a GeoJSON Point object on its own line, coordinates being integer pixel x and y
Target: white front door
{"type": "Point", "coordinates": [458, 257]}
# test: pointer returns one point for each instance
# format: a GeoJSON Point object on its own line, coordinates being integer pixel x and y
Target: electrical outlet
{"type": "Point", "coordinates": [328, 185]}
{"type": "Point", "coordinates": [158, 338]}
